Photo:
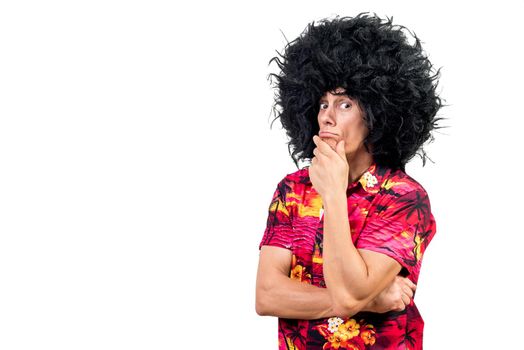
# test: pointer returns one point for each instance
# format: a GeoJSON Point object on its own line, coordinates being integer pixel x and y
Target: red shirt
{"type": "Point", "coordinates": [389, 213]}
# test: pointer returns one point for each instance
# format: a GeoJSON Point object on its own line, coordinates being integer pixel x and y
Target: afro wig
{"type": "Point", "coordinates": [373, 61]}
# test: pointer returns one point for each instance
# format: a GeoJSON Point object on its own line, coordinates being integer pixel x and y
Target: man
{"type": "Point", "coordinates": [343, 246]}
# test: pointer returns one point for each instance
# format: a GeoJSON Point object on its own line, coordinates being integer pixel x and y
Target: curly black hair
{"type": "Point", "coordinates": [376, 65]}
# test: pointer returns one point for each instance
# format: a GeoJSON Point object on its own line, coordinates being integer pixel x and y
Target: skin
{"type": "Point", "coordinates": [343, 116]}
{"type": "Point", "coordinates": [354, 277]}
{"type": "Point", "coordinates": [372, 284]}
{"type": "Point", "coordinates": [280, 296]}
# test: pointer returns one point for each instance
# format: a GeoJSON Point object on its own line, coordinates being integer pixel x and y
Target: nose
{"type": "Point", "coordinates": [327, 116]}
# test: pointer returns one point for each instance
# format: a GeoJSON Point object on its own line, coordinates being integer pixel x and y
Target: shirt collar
{"type": "Point", "coordinates": [371, 180]}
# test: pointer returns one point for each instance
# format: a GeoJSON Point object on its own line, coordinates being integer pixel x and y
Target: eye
{"type": "Point", "coordinates": [321, 104]}
{"type": "Point", "coordinates": [346, 103]}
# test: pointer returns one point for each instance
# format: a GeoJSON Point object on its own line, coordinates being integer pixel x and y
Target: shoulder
{"type": "Point", "coordinates": [298, 178]}
{"type": "Point", "coordinates": [399, 190]}
{"type": "Point", "coordinates": [399, 184]}
{"type": "Point", "coordinates": [295, 185]}
{"type": "Point", "coordinates": [402, 195]}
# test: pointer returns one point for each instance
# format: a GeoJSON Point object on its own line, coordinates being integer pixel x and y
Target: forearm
{"type": "Point", "coordinates": [289, 298]}
{"type": "Point", "coordinates": [345, 272]}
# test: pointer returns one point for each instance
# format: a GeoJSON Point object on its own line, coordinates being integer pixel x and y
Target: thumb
{"type": "Point", "coordinates": [341, 149]}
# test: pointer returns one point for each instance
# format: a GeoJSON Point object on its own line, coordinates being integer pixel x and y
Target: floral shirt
{"type": "Point", "coordinates": [389, 213]}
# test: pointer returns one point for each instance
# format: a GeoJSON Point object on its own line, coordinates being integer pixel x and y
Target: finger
{"type": "Point", "coordinates": [407, 291]}
{"type": "Point", "coordinates": [400, 306]}
{"type": "Point", "coordinates": [319, 143]}
{"type": "Point", "coordinates": [322, 145]}
{"type": "Point", "coordinates": [410, 284]}
{"type": "Point", "coordinates": [405, 299]}
{"type": "Point", "coordinates": [318, 154]}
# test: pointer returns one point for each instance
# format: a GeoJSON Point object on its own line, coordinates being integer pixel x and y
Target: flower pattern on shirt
{"type": "Point", "coordinates": [389, 213]}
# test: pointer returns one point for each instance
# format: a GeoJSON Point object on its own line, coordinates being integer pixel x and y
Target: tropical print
{"type": "Point", "coordinates": [389, 212]}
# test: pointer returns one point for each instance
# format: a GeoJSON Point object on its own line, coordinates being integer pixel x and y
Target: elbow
{"type": "Point", "coordinates": [345, 310]}
{"type": "Point", "coordinates": [261, 310]}
{"type": "Point", "coordinates": [261, 307]}
{"type": "Point", "coordinates": [262, 303]}
{"type": "Point", "coordinates": [347, 305]}
{"type": "Point", "coordinates": [348, 302]}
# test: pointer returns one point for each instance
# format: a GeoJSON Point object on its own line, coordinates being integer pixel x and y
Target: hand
{"type": "Point", "coordinates": [395, 297]}
{"type": "Point", "coordinates": [329, 170]}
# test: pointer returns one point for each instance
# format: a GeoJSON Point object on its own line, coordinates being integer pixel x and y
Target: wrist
{"type": "Point", "coordinates": [334, 199]}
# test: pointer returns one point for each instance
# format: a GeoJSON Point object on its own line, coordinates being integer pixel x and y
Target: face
{"type": "Point", "coordinates": [340, 118]}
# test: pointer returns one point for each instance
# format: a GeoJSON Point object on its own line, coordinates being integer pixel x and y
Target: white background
{"type": "Point", "coordinates": [137, 165]}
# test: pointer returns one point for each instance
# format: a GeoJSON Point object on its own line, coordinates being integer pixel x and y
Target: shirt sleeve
{"type": "Point", "coordinates": [279, 230]}
{"type": "Point", "coordinates": [401, 229]}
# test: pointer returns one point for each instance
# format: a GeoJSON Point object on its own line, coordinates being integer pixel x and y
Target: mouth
{"type": "Point", "coordinates": [330, 139]}
{"type": "Point", "coordinates": [325, 134]}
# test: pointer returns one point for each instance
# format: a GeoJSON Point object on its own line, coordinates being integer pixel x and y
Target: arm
{"type": "Point", "coordinates": [353, 277]}
{"type": "Point", "coordinates": [395, 297]}
{"type": "Point", "coordinates": [278, 295]}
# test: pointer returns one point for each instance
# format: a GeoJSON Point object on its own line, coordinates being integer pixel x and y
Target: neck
{"type": "Point", "coordinates": [358, 164]}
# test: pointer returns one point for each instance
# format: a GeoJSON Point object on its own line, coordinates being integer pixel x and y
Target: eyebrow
{"type": "Point", "coordinates": [338, 98]}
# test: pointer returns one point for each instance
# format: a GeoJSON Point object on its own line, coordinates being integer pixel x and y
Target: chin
{"type": "Point", "coordinates": [332, 143]}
